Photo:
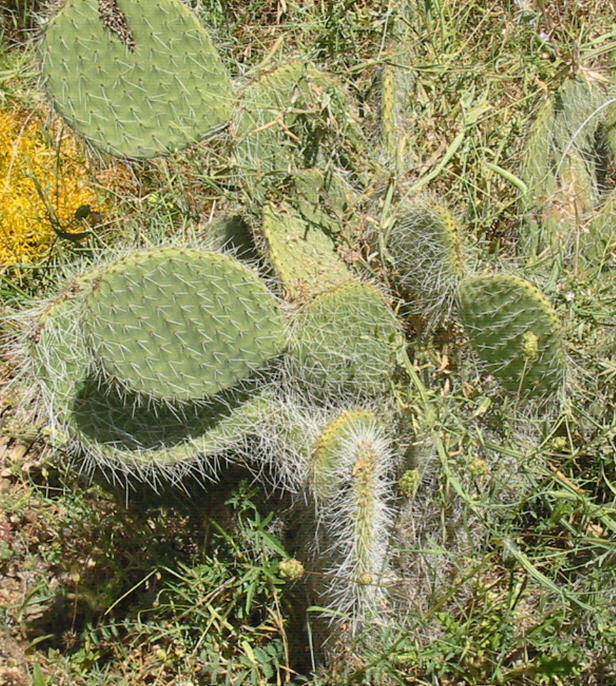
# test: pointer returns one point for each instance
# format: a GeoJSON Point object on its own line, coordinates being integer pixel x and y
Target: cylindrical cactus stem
{"type": "Point", "coordinates": [350, 479]}
{"type": "Point", "coordinates": [396, 91]}
{"type": "Point", "coordinates": [110, 74]}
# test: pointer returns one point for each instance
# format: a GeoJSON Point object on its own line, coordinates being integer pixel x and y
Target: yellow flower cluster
{"type": "Point", "coordinates": [36, 174]}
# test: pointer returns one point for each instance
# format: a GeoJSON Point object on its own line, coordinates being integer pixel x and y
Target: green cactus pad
{"type": "Point", "coordinates": [609, 128]}
{"type": "Point", "coordinates": [515, 331]}
{"type": "Point", "coordinates": [286, 117]}
{"type": "Point", "coordinates": [181, 324]}
{"type": "Point", "coordinates": [426, 248]}
{"type": "Point", "coordinates": [345, 341]}
{"type": "Point", "coordinates": [325, 200]}
{"type": "Point", "coordinates": [577, 114]}
{"type": "Point", "coordinates": [59, 357]}
{"type": "Point", "coordinates": [303, 255]}
{"type": "Point", "coordinates": [115, 432]}
{"type": "Point", "coordinates": [159, 91]}
{"type": "Point", "coordinates": [566, 206]}
{"type": "Point", "coordinates": [598, 241]}
{"type": "Point", "coordinates": [560, 170]}
{"type": "Point", "coordinates": [538, 156]}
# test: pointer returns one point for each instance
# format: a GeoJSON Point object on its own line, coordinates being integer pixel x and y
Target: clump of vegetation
{"type": "Point", "coordinates": [44, 181]}
{"type": "Point", "coordinates": [433, 396]}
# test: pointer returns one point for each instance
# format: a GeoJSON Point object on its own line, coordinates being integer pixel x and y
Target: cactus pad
{"type": "Point", "coordinates": [303, 255]}
{"type": "Point", "coordinates": [117, 433]}
{"type": "Point", "coordinates": [561, 167]}
{"type": "Point", "coordinates": [59, 358]}
{"type": "Point", "coordinates": [287, 115]}
{"type": "Point", "coordinates": [156, 86]}
{"type": "Point", "coordinates": [598, 241]}
{"type": "Point", "coordinates": [114, 433]}
{"type": "Point", "coordinates": [345, 341]}
{"type": "Point", "coordinates": [327, 201]}
{"type": "Point", "coordinates": [180, 324]}
{"type": "Point", "coordinates": [515, 331]}
{"type": "Point", "coordinates": [425, 246]}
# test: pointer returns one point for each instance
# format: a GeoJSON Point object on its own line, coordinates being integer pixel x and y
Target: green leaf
{"type": "Point", "coordinates": [38, 678]}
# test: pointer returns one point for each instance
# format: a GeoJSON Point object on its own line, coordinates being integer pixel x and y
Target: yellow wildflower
{"type": "Point", "coordinates": [27, 160]}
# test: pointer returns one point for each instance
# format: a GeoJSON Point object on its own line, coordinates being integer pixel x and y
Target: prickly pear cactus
{"type": "Point", "coordinates": [180, 324]}
{"type": "Point", "coordinates": [150, 441]}
{"type": "Point", "coordinates": [287, 117]}
{"type": "Point", "coordinates": [598, 240]}
{"type": "Point", "coordinates": [515, 331]}
{"type": "Point", "coordinates": [302, 254]}
{"type": "Point", "coordinates": [111, 68]}
{"type": "Point", "coordinates": [425, 245]}
{"type": "Point", "coordinates": [560, 170]}
{"type": "Point", "coordinates": [344, 343]}
{"type": "Point", "coordinates": [327, 201]}
{"type": "Point", "coordinates": [164, 319]}
{"type": "Point", "coordinates": [57, 357]}
{"type": "Point", "coordinates": [396, 89]}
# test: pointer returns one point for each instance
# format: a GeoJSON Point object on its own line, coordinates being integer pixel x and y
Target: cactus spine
{"type": "Point", "coordinates": [280, 124]}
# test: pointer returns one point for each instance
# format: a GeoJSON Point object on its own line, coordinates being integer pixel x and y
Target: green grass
{"type": "Point", "coordinates": [503, 558]}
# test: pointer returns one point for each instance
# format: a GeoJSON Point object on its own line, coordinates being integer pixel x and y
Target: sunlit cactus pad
{"type": "Point", "coordinates": [180, 324]}
{"type": "Point", "coordinates": [288, 115]}
{"type": "Point", "coordinates": [302, 254]}
{"type": "Point", "coordinates": [515, 331]}
{"type": "Point", "coordinates": [345, 342]}
{"type": "Point", "coordinates": [154, 87]}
